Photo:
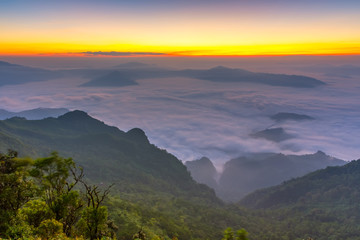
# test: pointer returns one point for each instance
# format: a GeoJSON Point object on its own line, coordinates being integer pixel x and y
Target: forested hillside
{"type": "Point", "coordinates": [152, 195]}
{"type": "Point", "coordinates": [324, 204]}
{"type": "Point", "coordinates": [106, 153]}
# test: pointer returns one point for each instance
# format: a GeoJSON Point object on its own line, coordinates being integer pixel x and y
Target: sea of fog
{"type": "Point", "coordinates": [191, 118]}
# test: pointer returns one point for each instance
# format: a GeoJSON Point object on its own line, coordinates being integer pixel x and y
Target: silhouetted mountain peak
{"type": "Point", "coordinates": [112, 79]}
{"type": "Point", "coordinates": [321, 153]}
{"type": "Point", "coordinates": [273, 134]}
{"type": "Point", "coordinates": [203, 171]}
{"type": "Point", "coordinates": [204, 160]}
{"type": "Point", "coordinates": [138, 135]}
{"type": "Point", "coordinates": [75, 115]}
{"type": "Point", "coordinates": [283, 116]}
{"type": "Point", "coordinates": [220, 67]}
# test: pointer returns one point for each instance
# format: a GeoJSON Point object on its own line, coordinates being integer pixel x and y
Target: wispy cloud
{"type": "Point", "coordinates": [123, 54]}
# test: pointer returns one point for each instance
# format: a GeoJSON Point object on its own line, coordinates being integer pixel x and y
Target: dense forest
{"type": "Point", "coordinates": [119, 185]}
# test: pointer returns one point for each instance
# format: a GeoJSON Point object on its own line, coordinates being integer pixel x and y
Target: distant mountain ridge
{"type": "Point", "coordinates": [273, 134]}
{"type": "Point", "coordinates": [112, 79]}
{"type": "Point", "coordinates": [136, 71]}
{"type": "Point", "coordinates": [326, 186]}
{"type": "Point", "coordinates": [34, 114]}
{"type": "Point", "coordinates": [284, 116]}
{"type": "Point", "coordinates": [127, 74]}
{"type": "Point", "coordinates": [203, 171]}
{"type": "Point", "coordinates": [245, 174]}
{"type": "Point", "coordinates": [13, 74]}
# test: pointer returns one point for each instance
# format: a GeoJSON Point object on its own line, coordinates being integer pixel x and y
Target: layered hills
{"type": "Point", "coordinates": [248, 173]}
{"type": "Point", "coordinates": [320, 205]}
{"type": "Point", "coordinates": [333, 185]}
{"type": "Point", "coordinates": [34, 114]}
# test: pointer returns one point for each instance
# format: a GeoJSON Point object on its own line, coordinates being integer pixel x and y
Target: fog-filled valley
{"type": "Point", "coordinates": [192, 117]}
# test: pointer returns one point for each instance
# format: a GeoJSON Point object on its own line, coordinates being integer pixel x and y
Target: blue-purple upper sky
{"type": "Point", "coordinates": [180, 27]}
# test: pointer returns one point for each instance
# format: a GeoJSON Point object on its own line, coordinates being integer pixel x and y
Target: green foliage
{"type": "Point", "coordinates": [15, 187]}
{"type": "Point", "coordinates": [239, 235]}
{"type": "Point", "coordinates": [52, 174]}
{"type": "Point", "coordinates": [35, 211]}
{"type": "Point", "coordinates": [57, 207]}
{"type": "Point", "coordinates": [228, 234]}
{"type": "Point", "coordinates": [49, 228]}
{"type": "Point", "coordinates": [93, 222]}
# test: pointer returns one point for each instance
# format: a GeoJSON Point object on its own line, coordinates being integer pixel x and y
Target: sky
{"type": "Point", "coordinates": [185, 28]}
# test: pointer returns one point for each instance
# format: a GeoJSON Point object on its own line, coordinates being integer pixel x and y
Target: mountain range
{"type": "Point", "coordinates": [217, 74]}
{"type": "Point", "coordinates": [34, 114]}
{"type": "Point", "coordinates": [243, 175]}
{"type": "Point", "coordinates": [127, 74]}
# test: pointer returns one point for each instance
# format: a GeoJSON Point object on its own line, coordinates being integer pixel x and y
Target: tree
{"type": "Point", "coordinates": [94, 220]}
{"type": "Point", "coordinates": [240, 234]}
{"type": "Point", "coordinates": [228, 234]}
{"type": "Point", "coordinates": [57, 187]}
{"type": "Point", "coordinates": [15, 188]}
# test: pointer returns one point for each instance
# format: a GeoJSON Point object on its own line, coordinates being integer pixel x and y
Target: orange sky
{"type": "Point", "coordinates": [212, 29]}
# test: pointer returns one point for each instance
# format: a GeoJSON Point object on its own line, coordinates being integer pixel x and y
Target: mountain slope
{"type": "Point", "coordinates": [331, 186]}
{"type": "Point", "coordinates": [106, 153]}
{"type": "Point", "coordinates": [246, 174]}
{"type": "Point", "coordinates": [203, 171]}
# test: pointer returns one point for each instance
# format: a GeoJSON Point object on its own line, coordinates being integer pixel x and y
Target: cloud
{"type": "Point", "coordinates": [193, 118]}
{"type": "Point", "coordinates": [9, 103]}
{"type": "Point", "coordinates": [115, 54]}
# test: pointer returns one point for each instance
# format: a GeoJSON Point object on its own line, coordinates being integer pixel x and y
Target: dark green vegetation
{"type": "Point", "coordinates": [153, 196]}
{"type": "Point", "coordinates": [324, 204]}
{"type": "Point", "coordinates": [39, 199]}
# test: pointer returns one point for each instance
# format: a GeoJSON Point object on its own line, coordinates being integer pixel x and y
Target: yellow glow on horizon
{"type": "Point", "coordinates": [215, 29]}
{"type": "Point", "coordinates": [226, 50]}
